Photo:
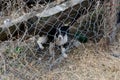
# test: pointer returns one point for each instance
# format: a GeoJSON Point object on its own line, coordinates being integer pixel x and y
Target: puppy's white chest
{"type": "Point", "coordinates": [65, 39]}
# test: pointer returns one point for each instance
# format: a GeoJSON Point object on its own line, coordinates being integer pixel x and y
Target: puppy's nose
{"type": "Point", "coordinates": [60, 37]}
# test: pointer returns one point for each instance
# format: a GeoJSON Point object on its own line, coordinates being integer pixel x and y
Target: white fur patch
{"type": "Point", "coordinates": [63, 50]}
{"type": "Point", "coordinates": [61, 40]}
{"type": "Point", "coordinates": [41, 40]}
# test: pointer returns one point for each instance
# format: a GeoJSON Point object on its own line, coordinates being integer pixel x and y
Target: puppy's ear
{"type": "Point", "coordinates": [58, 32]}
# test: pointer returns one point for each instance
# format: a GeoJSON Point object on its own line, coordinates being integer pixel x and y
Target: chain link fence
{"type": "Point", "coordinates": [39, 34]}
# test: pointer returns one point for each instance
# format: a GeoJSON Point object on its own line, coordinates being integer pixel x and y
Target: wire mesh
{"type": "Point", "coordinates": [39, 34]}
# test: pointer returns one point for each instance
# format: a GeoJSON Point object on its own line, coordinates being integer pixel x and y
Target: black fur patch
{"type": "Point", "coordinates": [118, 17]}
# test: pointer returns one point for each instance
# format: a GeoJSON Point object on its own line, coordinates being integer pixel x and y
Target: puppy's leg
{"type": "Point", "coordinates": [63, 51]}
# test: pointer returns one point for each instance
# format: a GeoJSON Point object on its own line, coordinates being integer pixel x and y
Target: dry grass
{"type": "Point", "coordinates": [82, 64]}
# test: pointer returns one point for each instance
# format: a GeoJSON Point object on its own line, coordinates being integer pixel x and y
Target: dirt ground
{"type": "Point", "coordinates": [83, 63]}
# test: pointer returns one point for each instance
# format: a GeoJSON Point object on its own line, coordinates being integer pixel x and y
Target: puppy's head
{"type": "Point", "coordinates": [59, 40]}
{"type": "Point", "coordinates": [61, 35]}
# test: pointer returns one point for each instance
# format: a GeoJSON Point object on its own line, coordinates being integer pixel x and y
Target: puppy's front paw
{"type": "Point", "coordinates": [63, 50]}
{"type": "Point", "coordinates": [64, 55]}
{"type": "Point", "coordinates": [40, 46]}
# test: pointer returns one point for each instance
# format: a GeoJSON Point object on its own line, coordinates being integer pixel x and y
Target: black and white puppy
{"type": "Point", "coordinates": [56, 37]}
{"type": "Point", "coordinates": [60, 38]}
